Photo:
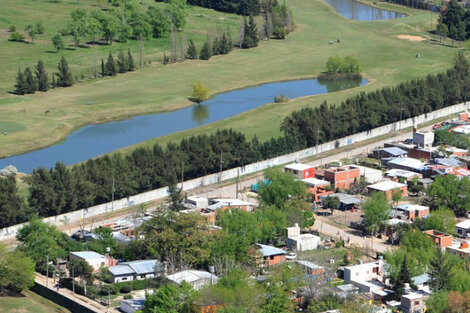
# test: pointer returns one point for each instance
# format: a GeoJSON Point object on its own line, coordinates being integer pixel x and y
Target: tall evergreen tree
{"type": "Point", "coordinates": [206, 51]}
{"type": "Point", "coordinates": [103, 70]}
{"type": "Point", "coordinates": [192, 51]}
{"type": "Point", "coordinates": [403, 278]}
{"type": "Point", "coordinates": [20, 86]}
{"type": "Point", "coordinates": [41, 77]}
{"type": "Point", "coordinates": [31, 84]}
{"type": "Point", "coordinates": [64, 77]}
{"type": "Point", "coordinates": [224, 45]}
{"type": "Point", "coordinates": [216, 46]}
{"type": "Point", "coordinates": [122, 62]}
{"type": "Point", "coordinates": [110, 67]}
{"type": "Point", "coordinates": [130, 61]}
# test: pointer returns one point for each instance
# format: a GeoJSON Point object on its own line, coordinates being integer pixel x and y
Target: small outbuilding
{"type": "Point", "coordinates": [197, 279]}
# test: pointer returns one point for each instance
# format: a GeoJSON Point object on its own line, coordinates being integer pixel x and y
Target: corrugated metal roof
{"type": "Point", "coordinates": [86, 255]}
{"type": "Point", "coordinates": [142, 266]}
{"type": "Point", "coordinates": [309, 264]}
{"type": "Point", "coordinates": [270, 250]}
{"type": "Point", "coordinates": [393, 151]}
{"type": "Point", "coordinates": [119, 270]}
{"type": "Point", "coordinates": [190, 276]}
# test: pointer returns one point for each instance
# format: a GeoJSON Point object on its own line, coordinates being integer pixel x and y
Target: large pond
{"type": "Point", "coordinates": [93, 140]}
{"type": "Point", "coordinates": [361, 12]}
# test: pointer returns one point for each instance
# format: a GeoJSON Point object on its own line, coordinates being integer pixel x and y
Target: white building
{"type": "Point", "coordinates": [364, 272]}
{"type": "Point", "coordinates": [301, 242]}
{"type": "Point", "coordinates": [463, 229]}
{"type": "Point", "coordinates": [135, 270]}
{"type": "Point", "coordinates": [371, 175]}
{"type": "Point", "coordinates": [95, 260]}
{"type": "Point", "coordinates": [414, 302]}
{"type": "Point", "coordinates": [425, 139]}
{"type": "Point", "coordinates": [196, 279]}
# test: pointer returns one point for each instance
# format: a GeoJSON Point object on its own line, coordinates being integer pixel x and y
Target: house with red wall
{"type": "Point", "coordinates": [317, 188]}
{"type": "Point", "coordinates": [389, 187]}
{"type": "Point", "coordinates": [441, 239]}
{"type": "Point", "coordinates": [271, 255]}
{"type": "Point", "coordinates": [300, 170]}
{"type": "Point", "coordinates": [342, 177]}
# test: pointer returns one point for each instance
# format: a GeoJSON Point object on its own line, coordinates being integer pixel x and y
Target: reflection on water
{"type": "Point", "coordinates": [361, 12]}
{"type": "Point", "coordinates": [94, 140]}
{"type": "Point", "coordinates": [339, 84]}
{"type": "Point", "coordinates": [200, 113]}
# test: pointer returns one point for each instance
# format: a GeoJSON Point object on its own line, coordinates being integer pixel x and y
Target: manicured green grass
{"type": "Point", "coordinates": [29, 303]}
{"type": "Point", "coordinates": [386, 60]}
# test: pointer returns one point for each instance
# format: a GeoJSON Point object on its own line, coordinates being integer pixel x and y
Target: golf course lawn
{"type": "Point", "coordinates": [386, 60]}
{"type": "Point", "coordinates": [29, 303]}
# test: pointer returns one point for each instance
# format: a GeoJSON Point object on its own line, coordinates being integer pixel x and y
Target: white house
{"type": "Point", "coordinates": [132, 305]}
{"type": "Point", "coordinates": [463, 229]}
{"type": "Point", "coordinates": [95, 260]}
{"type": "Point", "coordinates": [301, 242]}
{"type": "Point", "coordinates": [364, 272]}
{"type": "Point", "coordinates": [371, 175]}
{"type": "Point", "coordinates": [196, 279]}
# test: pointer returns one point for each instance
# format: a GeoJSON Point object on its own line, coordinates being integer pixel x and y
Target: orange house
{"type": "Point", "coordinates": [441, 239]}
{"type": "Point", "coordinates": [317, 187]}
{"type": "Point", "coordinates": [389, 187]}
{"type": "Point", "coordinates": [342, 177]}
{"type": "Point", "coordinates": [271, 255]}
{"type": "Point", "coordinates": [300, 170]}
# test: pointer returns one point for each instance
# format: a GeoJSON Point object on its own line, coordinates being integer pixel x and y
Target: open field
{"type": "Point", "coordinates": [386, 60]}
{"type": "Point", "coordinates": [29, 303]}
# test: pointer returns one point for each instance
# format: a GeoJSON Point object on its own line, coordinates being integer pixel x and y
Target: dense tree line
{"type": "Point", "coordinates": [126, 21]}
{"type": "Point", "coordinates": [454, 22]}
{"type": "Point", "coordinates": [124, 63]}
{"type": "Point", "coordinates": [242, 7]}
{"type": "Point", "coordinates": [370, 110]}
{"type": "Point", "coordinates": [12, 208]}
{"type": "Point", "coordinates": [28, 82]}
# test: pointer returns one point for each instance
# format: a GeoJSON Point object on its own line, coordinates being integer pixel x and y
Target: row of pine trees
{"type": "Point", "coordinates": [124, 63]}
{"type": "Point", "coordinates": [28, 82]}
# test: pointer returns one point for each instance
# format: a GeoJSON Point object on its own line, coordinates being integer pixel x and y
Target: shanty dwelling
{"type": "Point", "coordinates": [311, 268]}
{"type": "Point", "coordinates": [463, 229]}
{"type": "Point", "coordinates": [408, 164]}
{"type": "Point", "coordinates": [317, 187]}
{"type": "Point", "coordinates": [95, 260]}
{"type": "Point", "coordinates": [346, 201]}
{"type": "Point", "coordinates": [410, 212]}
{"type": "Point", "coordinates": [389, 152]}
{"type": "Point", "coordinates": [441, 239]}
{"type": "Point", "coordinates": [197, 279]}
{"type": "Point", "coordinates": [134, 270]}
{"type": "Point", "coordinates": [271, 255]}
{"type": "Point", "coordinates": [414, 302]}
{"type": "Point", "coordinates": [402, 174]}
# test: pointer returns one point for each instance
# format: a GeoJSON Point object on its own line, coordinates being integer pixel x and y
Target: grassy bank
{"type": "Point", "coordinates": [29, 302]}
{"type": "Point", "coordinates": [386, 60]}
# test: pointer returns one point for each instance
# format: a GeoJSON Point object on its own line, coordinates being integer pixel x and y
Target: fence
{"type": "Point", "coordinates": [10, 232]}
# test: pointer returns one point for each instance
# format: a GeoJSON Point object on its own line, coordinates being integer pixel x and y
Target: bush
{"type": "Point", "coordinates": [339, 65]}
{"type": "Point", "coordinates": [16, 36]}
{"type": "Point", "coordinates": [107, 289]}
{"type": "Point", "coordinates": [12, 28]}
{"type": "Point", "coordinates": [281, 99]}
{"type": "Point", "coordinates": [139, 284]}
{"type": "Point", "coordinates": [279, 32]}
{"type": "Point", "coordinates": [126, 289]}
{"type": "Point", "coordinates": [340, 244]}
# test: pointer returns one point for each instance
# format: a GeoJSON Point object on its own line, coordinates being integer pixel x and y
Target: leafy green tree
{"type": "Point", "coordinates": [122, 62]}
{"type": "Point", "coordinates": [178, 13]}
{"type": "Point", "coordinates": [31, 83]}
{"type": "Point", "coordinates": [331, 203]}
{"type": "Point", "coordinates": [32, 31]}
{"type": "Point", "coordinates": [94, 29]}
{"type": "Point", "coordinates": [130, 61]}
{"type": "Point", "coordinates": [278, 301]}
{"type": "Point", "coordinates": [334, 64]}
{"type": "Point", "coordinates": [170, 299]}
{"type": "Point", "coordinates": [12, 207]}
{"type": "Point", "coordinates": [206, 51]}
{"type": "Point", "coordinates": [200, 92]}
{"type": "Point", "coordinates": [376, 212]}
{"type": "Point", "coordinates": [450, 192]}
{"type": "Point", "coordinates": [40, 28]}
{"type": "Point", "coordinates": [77, 27]}
{"type": "Point", "coordinates": [175, 198]}
{"type": "Point", "coordinates": [442, 220]}
{"type": "Point", "coordinates": [20, 86]}
{"type": "Point", "coordinates": [80, 268]}
{"type": "Point", "coordinates": [64, 76]}
{"type": "Point", "coordinates": [282, 187]}
{"type": "Point", "coordinates": [437, 302]}
{"type": "Point", "coordinates": [41, 77]}
{"type": "Point", "coordinates": [58, 42]}
{"type": "Point", "coordinates": [110, 67]}
{"type": "Point", "coordinates": [192, 51]}
{"type": "Point", "coordinates": [325, 303]}
{"type": "Point", "coordinates": [16, 271]}
{"type": "Point", "coordinates": [160, 21]}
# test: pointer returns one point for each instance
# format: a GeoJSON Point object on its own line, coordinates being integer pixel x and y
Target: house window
{"type": "Point", "coordinates": [124, 278]}
{"type": "Point", "coordinates": [459, 231]}
{"type": "Point", "coordinates": [357, 273]}
{"type": "Point", "coordinates": [271, 257]}
{"type": "Point", "coordinates": [416, 302]}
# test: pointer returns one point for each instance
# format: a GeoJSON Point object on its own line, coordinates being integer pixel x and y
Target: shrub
{"type": "Point", "coordinates": [127, 297]}
{"type": "Point", "coordinates": [281, 99]}
{"type": "Point", "coordinates": [107, 289]}
{"type": "Point", "coordinates": [16, 36]}
{"type": "Point", "coordinates": [279, 32]}
{"type": "Point", "coordinates": [139, 284]}
{"type": "Point", "coordinates": [12, 28]}
{"type": "Point", "coordinates": [126, 288]}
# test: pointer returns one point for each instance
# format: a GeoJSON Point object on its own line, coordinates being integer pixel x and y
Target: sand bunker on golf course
{"type": "Point", "coordinates": [411, 38]}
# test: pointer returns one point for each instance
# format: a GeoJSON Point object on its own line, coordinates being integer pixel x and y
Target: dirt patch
{"type": "Point", "coordinates": [411, 38]}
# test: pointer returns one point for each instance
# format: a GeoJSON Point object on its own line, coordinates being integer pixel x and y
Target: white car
{"type": "Point", "coordinates": [291, 255]}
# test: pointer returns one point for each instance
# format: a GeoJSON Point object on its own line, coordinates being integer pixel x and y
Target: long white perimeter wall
{"type": "Point", "coordinates": [71, 217]}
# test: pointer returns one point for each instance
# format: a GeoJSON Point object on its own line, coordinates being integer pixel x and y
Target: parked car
{"type": "Point", "coordinates": [291, 256]}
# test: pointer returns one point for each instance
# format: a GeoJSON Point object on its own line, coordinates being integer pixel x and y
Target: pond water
{"type": "Point", "coordinates": [94, 140]}
{"type": "Point", "coordinates": [361, 12]}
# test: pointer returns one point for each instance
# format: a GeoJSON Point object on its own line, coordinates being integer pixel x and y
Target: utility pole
{"type": "Point", "coordinates": [47, 269]}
